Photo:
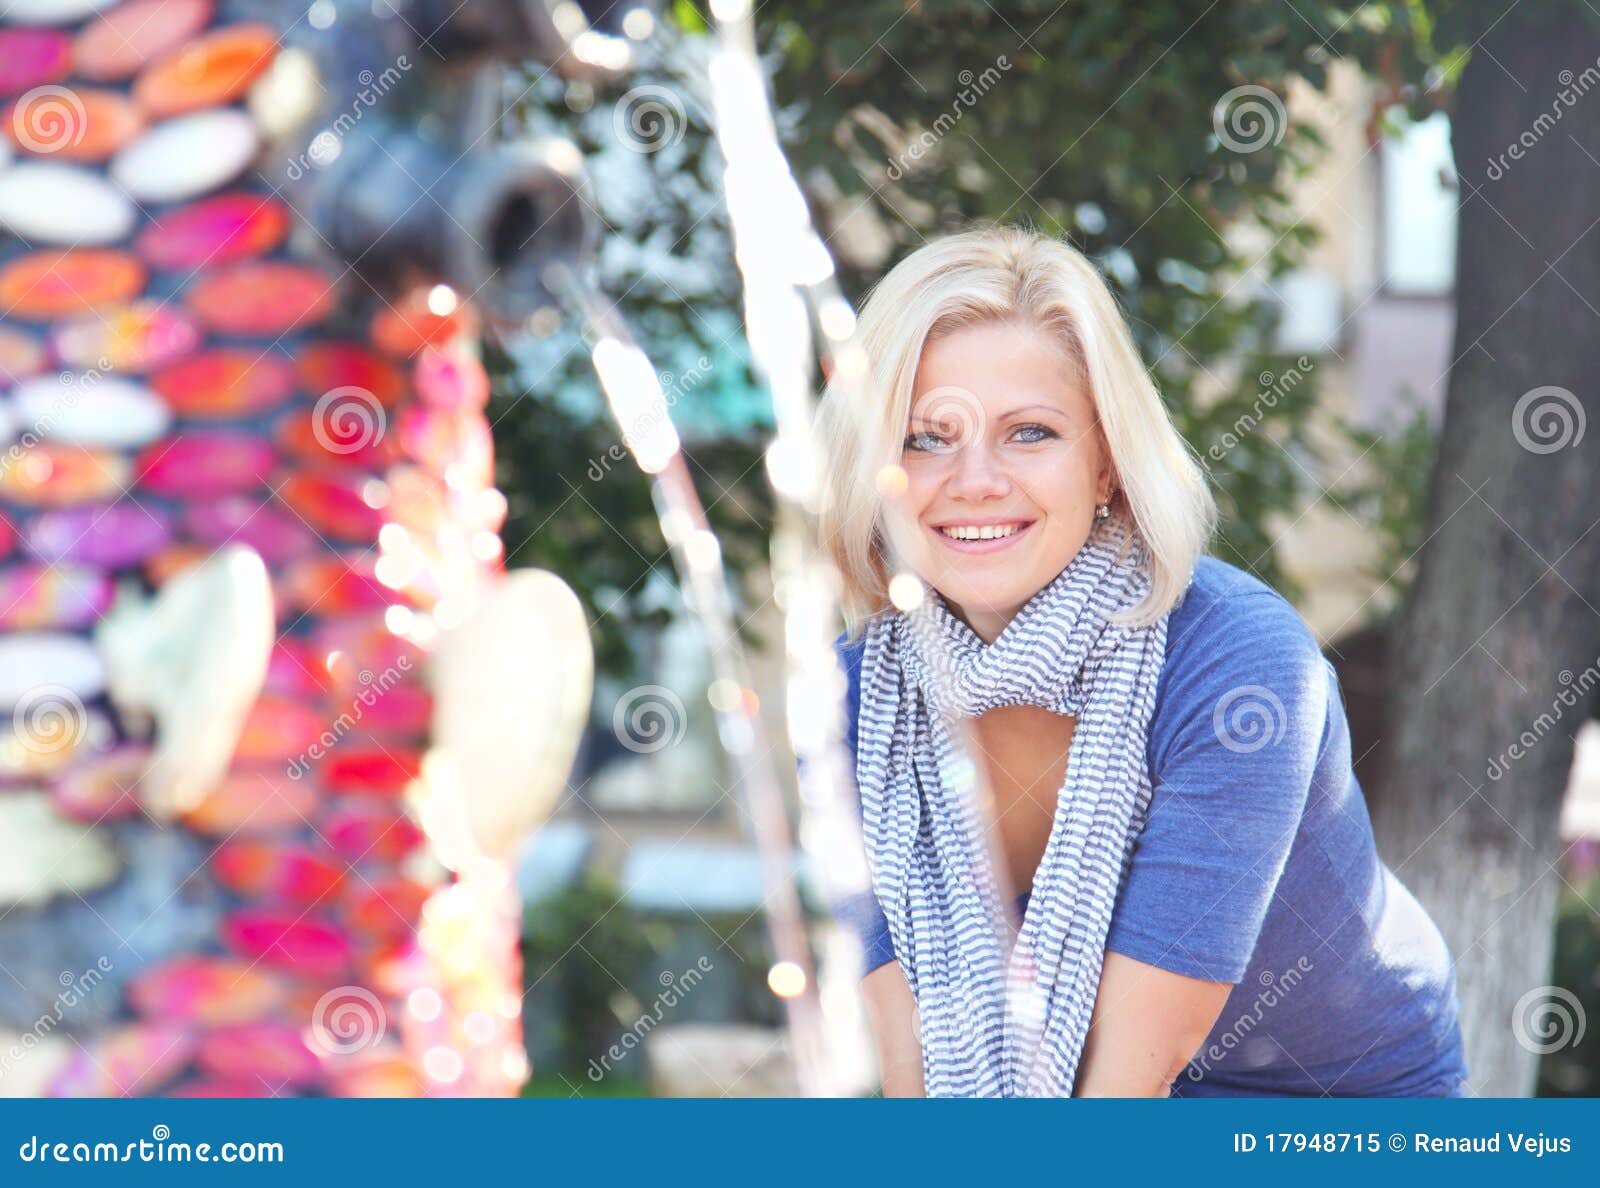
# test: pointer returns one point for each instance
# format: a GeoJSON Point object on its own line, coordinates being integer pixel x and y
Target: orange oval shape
{"type": "Point", "coordinates": [121, 41]}
{"type": "Point", "coordinates": [332, 505]}
{"type": "Point", "coordinates": [332, 585]}
{"type": "Point", "coordinates": [279, 871]}
{"type": "Point", "coordinates": [52, 475]}
{"type": "Point", "coordinates": [408, 325]}
{"type": "Point", "coordinates": [262, 297]}
{"type": "Point", "coordinates": [210, 70]}
{"type": "Point", "coordinates": [277, 729]}
{"type": "Point", "coordinates": [252, 801]}
{"type": "Point", "coordinates": [54, 284]}
{"type": "Point", "coordinates": [324, 366]}
{"type": "Point", "coordinates": [72, 124]}
{"type": "Point", "coordinates": [226, 382]}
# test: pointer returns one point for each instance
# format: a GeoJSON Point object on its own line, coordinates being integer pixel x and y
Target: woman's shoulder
{"type": "Point", "coordinates": [1234, 641]}
{"type": "Point", "coordinates": [1226, 607]}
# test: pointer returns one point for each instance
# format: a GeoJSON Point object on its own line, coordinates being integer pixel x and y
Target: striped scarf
{"type": "Point", "coordinates": [996, 1023]}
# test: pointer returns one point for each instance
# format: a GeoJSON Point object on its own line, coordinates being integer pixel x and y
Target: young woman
{"type": "Point", "coordinates": [1168, 802]}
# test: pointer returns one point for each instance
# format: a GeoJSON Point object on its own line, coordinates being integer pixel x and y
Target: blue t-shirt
{"type": "Point", "coordinates": [1257, 866]}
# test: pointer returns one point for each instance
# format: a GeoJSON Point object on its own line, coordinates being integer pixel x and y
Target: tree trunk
{"type": "Point", "coordinates": [1495, 655]}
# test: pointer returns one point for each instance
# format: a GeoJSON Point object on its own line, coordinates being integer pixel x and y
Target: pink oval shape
{"type": "Point", "coordinates": [289, 940]}
{"type": "Point", "coordinates": [295, 669]}
{"type": "Point", "coordinates": [37, 597]}
{"type": "Point", "coordinates": [449, 444]}
{"type": "Point", "coordinates": [264, 1052]}
{"type": "Point", "coordinates": [32, 57]}
{"type": "Point", "coordinates": [244, 519]}
{"type": "Point", "coordinates": [211, 991]}
{"type": "Point", "coordinates": [371, 833]}
{"type": "Point", "coordinates": [118, 42]}
{"type": "Point", "coordinates": [404, 709]}
{"type": "Point", "coordinates": [450, 380]}
{"type": "Point", "coordinates": [214, 231]}
{"type": "Point", "coordinates": [112, 535]}
{"type": "Point", "coordinates": [199, 465]}
{"type": "Point", "coordinates": [364, 644]}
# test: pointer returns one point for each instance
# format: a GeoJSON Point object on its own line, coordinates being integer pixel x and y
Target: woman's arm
{"type": "Point", "coordinates": [1147, 1025]}
{"type": "Point", "coordinates": [892, 1011]}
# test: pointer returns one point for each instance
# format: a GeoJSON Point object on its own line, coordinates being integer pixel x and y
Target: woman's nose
{"type": "Point", "coordinates": [977, 472]}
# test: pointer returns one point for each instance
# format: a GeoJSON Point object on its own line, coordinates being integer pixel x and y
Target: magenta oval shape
{"type": "Point", "coordinates": [112, 535]}
{"type": "Point", "coordinates": [205, 464]}
{"type": "Point", "coordinates": [32, 57]}
{"type": "Point", "coordinates": [276, 534]}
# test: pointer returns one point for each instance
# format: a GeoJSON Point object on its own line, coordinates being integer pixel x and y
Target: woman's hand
{"type": "Point", "coordinates": [892, 1011]}
{"type": "Point", "coordinates": [1147, 1025]}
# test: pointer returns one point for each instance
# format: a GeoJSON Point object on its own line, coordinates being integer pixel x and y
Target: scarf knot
{"type": "Point", "coordinates": [1006, 1014]}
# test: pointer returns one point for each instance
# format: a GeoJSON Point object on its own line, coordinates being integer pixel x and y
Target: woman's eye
{"type": "Point", "coordinates": [1036, 433]}
{"type": "Point", "coordinates": [923, 442]}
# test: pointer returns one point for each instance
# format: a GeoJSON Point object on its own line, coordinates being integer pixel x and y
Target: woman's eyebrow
{"type": "Point", "coordinates": [920, 415]}
{"type": "Point", "coordinates": [1022, 408]}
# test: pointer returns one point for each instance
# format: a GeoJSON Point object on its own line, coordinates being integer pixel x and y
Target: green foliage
{"type": "Point", "coordinates": [1392, 496]}
{"type": "Point", "coordinates": [1573, 1069]}
{"type": "Point", "coordinates": [1110, 125]}
{"type": "Point", "coordinates": [580, 948]}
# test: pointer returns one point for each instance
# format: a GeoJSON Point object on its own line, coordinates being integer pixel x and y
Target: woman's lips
{"type": "Point", "coordinates": [992, 545]}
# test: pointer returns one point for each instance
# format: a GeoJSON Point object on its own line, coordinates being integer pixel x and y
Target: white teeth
{"type": "Point", "coordinates": [964, 532]}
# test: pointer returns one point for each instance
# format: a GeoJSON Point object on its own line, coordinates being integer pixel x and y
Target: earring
{"type": "Point", "coordinates": [1103, 510]}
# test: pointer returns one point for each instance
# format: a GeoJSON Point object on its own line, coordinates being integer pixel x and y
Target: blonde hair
{"type": "Point", "coordinates": [1003, 274]}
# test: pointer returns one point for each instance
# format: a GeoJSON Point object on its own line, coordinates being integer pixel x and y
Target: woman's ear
{"type": "Point", "coordinates": [1106, 480]}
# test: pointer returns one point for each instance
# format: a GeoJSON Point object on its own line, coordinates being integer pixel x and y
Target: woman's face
{"type": "Point", "coordinates": [1002, 445]}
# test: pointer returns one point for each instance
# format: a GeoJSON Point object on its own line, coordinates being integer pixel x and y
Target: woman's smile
{"type": "Point", "coordinates": [981, 534]}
